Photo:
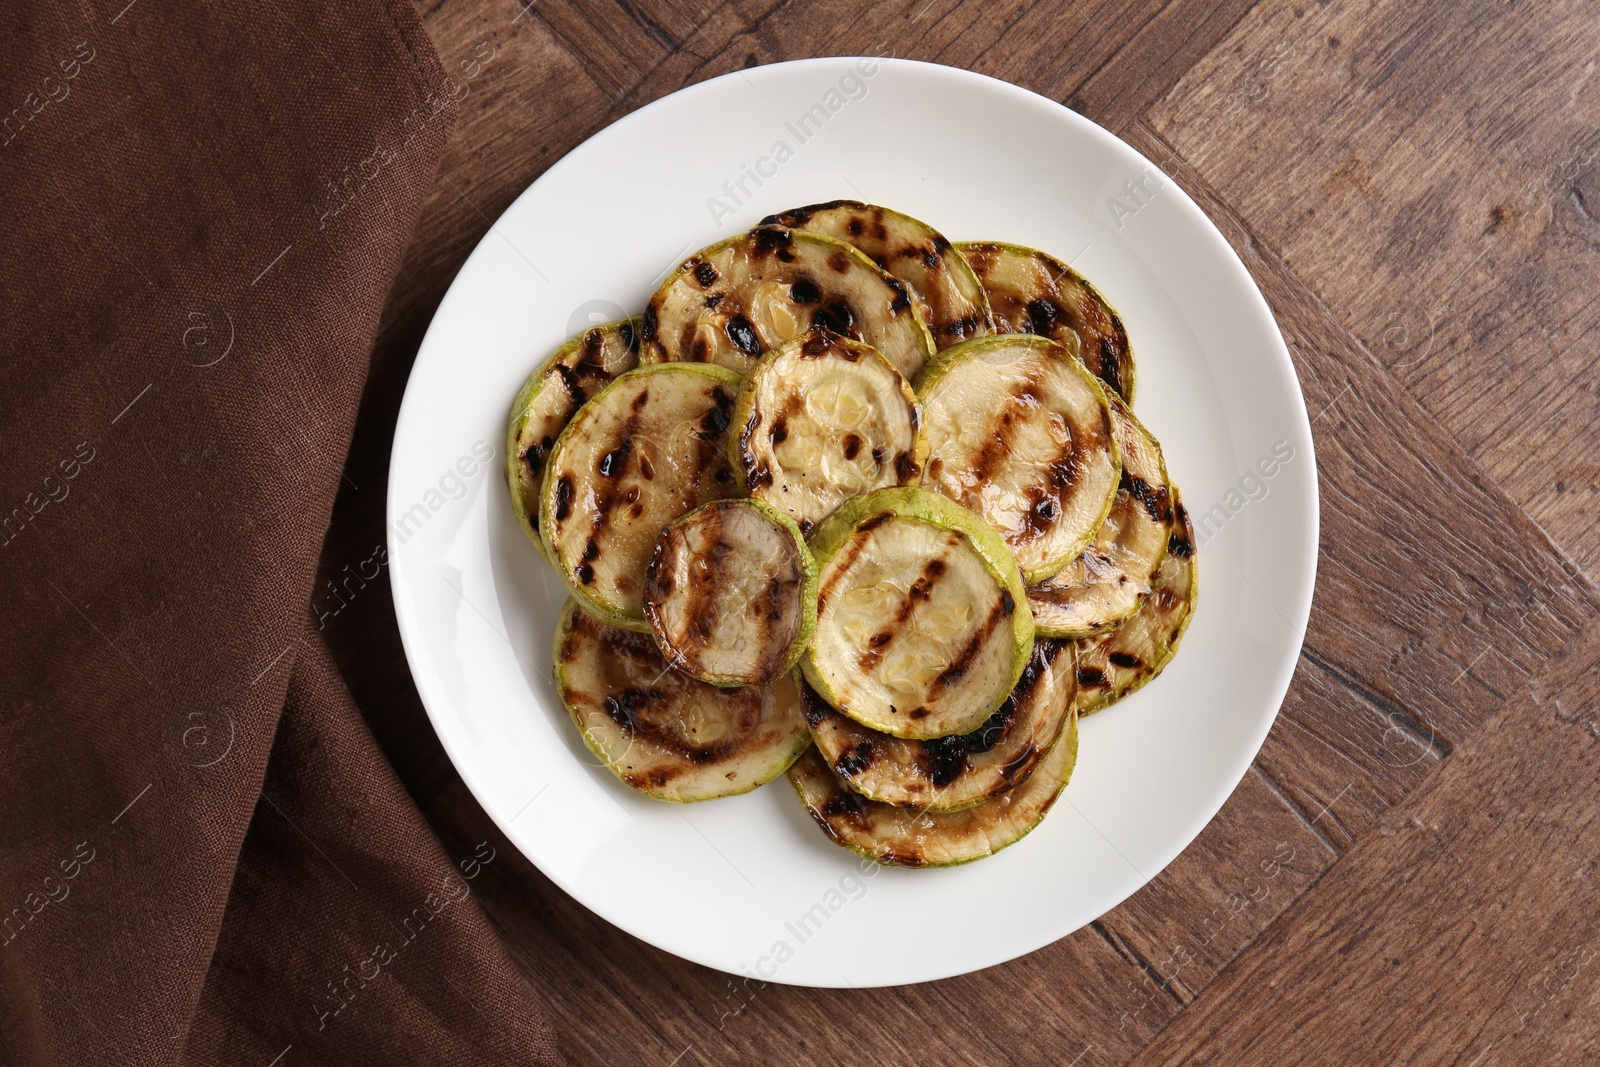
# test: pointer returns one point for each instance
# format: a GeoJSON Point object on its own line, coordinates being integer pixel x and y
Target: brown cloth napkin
{"type": "Point", "coordinates": [203, 856]}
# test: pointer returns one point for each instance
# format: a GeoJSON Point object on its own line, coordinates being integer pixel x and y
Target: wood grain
{"type": "Point", "coordinates": [1428, 767]}
{"type": "Point", "coordinates": [1431, 171]}
{"type": "Point", "coordinates": [1462, 931]}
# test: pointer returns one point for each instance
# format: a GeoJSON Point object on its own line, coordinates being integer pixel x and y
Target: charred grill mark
{"type": "Point", "coordinates": [856, 227]}
{"type": "Point", "coordinates": [855, 761]}
{"type": "Point", "coordinates": [647, 325]}
{"type": "Point", "coordinates": [779, 432]}
{"type": "Point", "coordinates": [804, 291]}
{"type": "Point", "coordinates": [980, 469]}
{"type": "Point", "coordinates": [969, 652]}
{"type": "Point", "coordinates": [838, 317]}
{"type": "Point", "coordinates": [902, 297]}
{"type": "Point", "coordinates": [878, 456]}
{"type": "Point", "coordinates": [1181, 541]}
{"type": "Point", "coordinates": [624, 707]}
{"type": "Point", "coordinates": [1091, 677]}
{"type": "Point", "coordinates": [1126, 660]}
{"type": "Point", "coordinates": [940, 244]}
{"type": "Point", "coordinates": [705, 274]}
{"type": "Point", "coordinates": [945, 759]}
{"type": "Point", "coordinates": [852, 446]}
{"type": "Point", "coordinates": [572, 383]}
{"type": "Point", "coordinates": [1110, 370]}
{"type": "Point", "coordinates": [564, 490]}
{"type": "Point", "coordinates": [1020, 764]}
{"type": "Point", "coordinates": [839, 261]}
{"type": "Point", "coordinates": [715, 298]}
{"type": "Point", "coordinates": [906, 469]}
{"type": "Point", "coordinates": [1041, 316]}
{"type": "Point", "coordinates": [1151, 499]}
{"type": "Point", "coordinates": [817, 344]}
{"type": "Point", "coordinates": [849, 355]}
{"type": "Point", "coordinates": [629, 337]}
{"type": "Point", "coordinates": [965, 326]}
{"type": "Point", "coordinates": [846, 558]}
{"type": "Point", "coordinates": [714, 423]}
{"type": "Point", "coordinates": [876, 521]}
{"type": "Point", "coordinates": [933, 571]}
{"type": "Point", "coordinates": [743, 335]}
{"type": "Point", "coordinates": [612, 462]}
{"type": "Point", "coordinates": [918, 713]}
{"type": "Point", "coordinates": [848, 806]}
{"type": "Point", "coordinates": [1045, 501]}
{"type": "Point", "coordinates": [771, 239]}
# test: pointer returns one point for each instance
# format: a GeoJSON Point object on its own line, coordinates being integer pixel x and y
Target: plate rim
{"type": "Point", "coordinates": [1298, 614]}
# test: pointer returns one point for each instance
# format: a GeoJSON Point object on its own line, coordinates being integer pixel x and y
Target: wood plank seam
{"type": "Point", "coordinates": [1132, 955]}
{"type": "Point", "coordinates": [1295, 809]}
{"type": "Point", "coordinates": [1408, 723]}
{"type": "Point", "coordinates": [1575, 574]}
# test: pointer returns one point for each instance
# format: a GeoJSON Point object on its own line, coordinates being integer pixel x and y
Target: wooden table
{"type": "Point", "coordinates": [1408, 874]}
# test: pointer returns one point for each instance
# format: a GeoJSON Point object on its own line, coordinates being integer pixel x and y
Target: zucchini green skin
{"type": "Point", "coordinates": [949, 294]}
{"type": "Point", "coordinates": [663, 733]}
{"type": "Point", "coordinates": [866, 513]}
{"type": "Point", "coordinates": [733, 301]}
{"type": "Point", "coordinates": [913, 837]}
{"type": "Point", "coordinates": [550, 398]}
{"type": "Point", "coordinates": [627, 611]}
{"type": "Point", "coordinates": [778, 600]}
{"type": "Point", "coordinates": [952, 773]}
{"type": "Point", "coordinates": [1031, 292]}
{"type": "Point", "coordinates": [1081, 503]}
{"type": "Point", "coordinates": [1115, 664]}
{"type": "Point", "coordinates": [776, 399]}
{"type": "Point", "coordinates": [1109, 581]}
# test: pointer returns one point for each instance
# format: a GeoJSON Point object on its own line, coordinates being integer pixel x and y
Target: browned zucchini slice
{"type": "Point", "coordinates": [547, 401]}
{"type": "Point", "coordinates": [950, 773]}
{"type": "Point", "coordinates": [661, 731]}
{"type": "Point", "coordinates": [1020, 433]}
{"type": "Point", "coordinates": [731, 593]}
{"type": "Point", "coordinates": [1115, 664]}
{"type": "Point", "coordinates": [649, 447]}
{"type": "Point", "coordinates": [1031, 292]}
{"type": "Point", "coordinates": [942, 283]}
{"type": "Point", "coordinates": [1108, 581]}
{"type": "Point", "coordinates": [912, 837]}
{"type": "Point", "coordinates": [823, 418]}
{"type": "Point", "coordinates": [922, 624]}
{"type": "Point", "coordinates": [730, 303]}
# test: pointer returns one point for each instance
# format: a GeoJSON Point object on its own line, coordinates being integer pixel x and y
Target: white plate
{"type": "Point", "coordinates": [748, 884]}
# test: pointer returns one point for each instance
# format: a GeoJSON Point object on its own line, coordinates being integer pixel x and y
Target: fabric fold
{"type": "Point", "coordinates": [205, 206]}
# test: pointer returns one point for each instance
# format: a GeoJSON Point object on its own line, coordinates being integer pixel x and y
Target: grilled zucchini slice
{"type": "Point", "coordinates": [947, 292]}
{"type": "Point", "coordinates": [731, 593]}
{"type": "Point", "coordinates": [909, 837]}
{"type": "Point", "coordinates": [1115, 664]}
{"type": "Point", "coordinates": [547, 401]}
{"type": "Point", "coordinates": [950, 773]}
{"type": "Point", "coordinates": [1021, 434]}
{"type": "Point", "coordinates": [821, 419]}
{"type": "Point", "coordinates": [1108, 581]}
{"type": "Point", "coordinates": [1030, 292]}
{"type": "Point", "coordinates": [647, 448]}
{"type": "Point", "coordinates": [922, 622]}
{"type": "Point", "coordinates": [661, 731]}
{"type": "Point", "coordinates": [731, 302]}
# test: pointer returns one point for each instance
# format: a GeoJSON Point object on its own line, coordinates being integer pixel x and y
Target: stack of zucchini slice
{"type": "Point", "coordinates": [853, 502]}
